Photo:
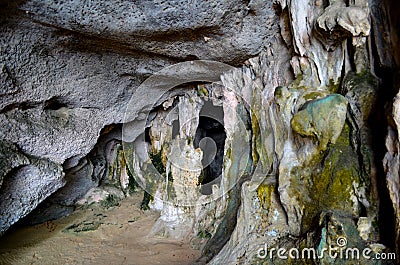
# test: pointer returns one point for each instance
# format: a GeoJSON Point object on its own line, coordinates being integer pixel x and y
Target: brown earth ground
{"type": "Point", "coordinates": [117, 235]}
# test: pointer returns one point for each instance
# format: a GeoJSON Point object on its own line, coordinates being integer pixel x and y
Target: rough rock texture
{"type": "Point", "coordinates": [70, 83]}
{"type": "Point", "coordinates": [218, 30]}
{"type": "Point", "coordinates": [301, 127]}
{"type": "Point", "coordinates": [19, 196]}
{"type": "Point", "coordinates": [387, 20]}
{"type": "Point", "coordinates": [11, 158]}
{"type": "Point", "coordinates": [322, 118]}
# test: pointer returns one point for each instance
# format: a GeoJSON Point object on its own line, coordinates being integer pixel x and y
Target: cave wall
{"type": "Point", "coordinates": [387, 61]}
{"type": "Point", "coordinates": [313, 81]}
{"type": "Point", "coordinates": [69, 69]}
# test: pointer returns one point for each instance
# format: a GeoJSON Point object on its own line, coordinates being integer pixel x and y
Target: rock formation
{"type": "Point", "coordinates": [247, 123]}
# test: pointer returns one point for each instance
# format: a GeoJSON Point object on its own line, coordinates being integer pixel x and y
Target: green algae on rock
{"type": "Point", "coordinates": [322, 118]}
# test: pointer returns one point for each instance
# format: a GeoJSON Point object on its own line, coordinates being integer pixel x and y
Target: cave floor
{"type": "Point", "coordinates": [96, 235]}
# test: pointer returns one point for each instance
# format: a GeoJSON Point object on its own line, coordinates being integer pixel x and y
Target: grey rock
{"type": "Point", "coordinates": [10, 158]}
{"type": "Point", "coordinates": [227, 31]}
{"type": "Point", "coordinates": [28, 186]}
{"type": "Point", "coordinates": [47, 211]}
{"type": "Point", "coordinates": [68, 70]}
{"type": "Point", "coordinates": [57, 87]}
{"type": "Point", "coordinates": [392, 164]}
{"type": "Point", "coordinates": [78, 182]}
{"type": "Point", "coordinates": [52, 134]}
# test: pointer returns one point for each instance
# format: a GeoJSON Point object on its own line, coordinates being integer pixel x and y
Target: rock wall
{"type": "Point", "coordinates": [310, 128]}
{"type": "Point", "coordinates": [63, 82]}
{"type": "Point", "coordinates": [388, 60]}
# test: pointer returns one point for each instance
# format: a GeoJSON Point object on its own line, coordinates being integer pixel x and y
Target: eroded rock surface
{"type": "Point", "coordinates": [322, 118]}
{"type": "Point", "coordinates": [293, 159]}
{"type": "Point", "coordinates": [220, 30]}
{"type": "Point", "coordinates": [28, 186]}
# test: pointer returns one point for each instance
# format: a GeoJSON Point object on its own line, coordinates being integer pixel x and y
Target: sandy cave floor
{"type": "Point", "coordinates": [122, 237]}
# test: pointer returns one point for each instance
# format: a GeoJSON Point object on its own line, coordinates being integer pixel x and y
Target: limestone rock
{"type": "Point", "coordinates": [299, 137]}
{"type": "Point", "coordinates": [322, 118]}
{"type": "Point", "coordinates": [392, 165]}
{"type": "Point", "coordinates": [170, 28]}
{"type": "Point", "coordinates": [10, 158]}
{"type": "Point", "coordinates": [340, 21]}
{"type": "Point", "coordinates": [25, 188]}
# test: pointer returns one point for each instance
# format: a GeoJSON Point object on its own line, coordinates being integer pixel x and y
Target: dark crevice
{"type": "Point", "coordinates": [175, 128]}
{"type": "Point", "coordinates": [363, 210]}
{"type": "Point", "coordinates": [386, 212]}
{"type": "Point", "coordinates": [341, 79]}
{"type": "Point", "coordinates": [228, 224]}
{"type": "Point", "coordinates": [9, 8]}
{"type": "Point", "coordinates": [379, 125]}
{"type": "Point", "coordinates": [191, 57]}
{"type": "Point", "coordinates": [80, 42]}
{"type": "Point", "coordinates": [81, 174]}
{"type": "Point", "coordinates": [147, 137]}
{"type": "Point", "coordinates": [20, 106]}
{"type": "Point", "coordinates": [92, 43]}
{"type": "Point", "coordinates": [379, 122]}
{"type": "Point", "coordinates": [100, 44]}
{"type": "Point", "coordinates": [185, 35]}
{"type": "Point", "coordinates": [210, 137]}
{"type": "Point", "coordinates": [350, 50]}
{"type": "Point", "coordinates": [54, 104]}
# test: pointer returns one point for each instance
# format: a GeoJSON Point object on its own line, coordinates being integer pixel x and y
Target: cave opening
{"type": "Point", "coordinates": [210, 138]}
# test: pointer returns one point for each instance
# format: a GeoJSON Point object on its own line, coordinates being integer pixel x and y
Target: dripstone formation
{"type": "Point", "coordinates": [295, 144]}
